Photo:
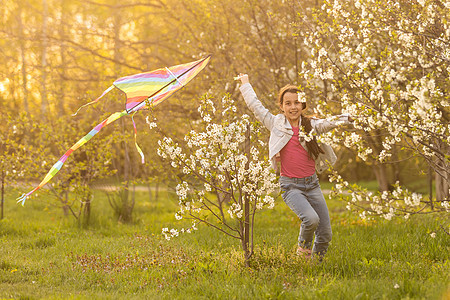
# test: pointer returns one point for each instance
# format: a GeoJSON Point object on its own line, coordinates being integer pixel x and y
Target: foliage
{"type": "Point", "coordinates": [387, 64]}
{"type": "Point", "coordinates": [20, 138]}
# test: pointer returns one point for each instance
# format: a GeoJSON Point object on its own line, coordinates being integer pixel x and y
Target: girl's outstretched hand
{"type": "Point", "coordinates": [243, 78]}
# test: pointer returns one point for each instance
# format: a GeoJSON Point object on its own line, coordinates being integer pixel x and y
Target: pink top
{"type": "Point", "coordinates": [295, 162]}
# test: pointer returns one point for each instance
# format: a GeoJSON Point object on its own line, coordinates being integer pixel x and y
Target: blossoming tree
{"type": "Point", "coordinates": [225, 179]}
{"type": "Point", "coordinates": [388, 64]}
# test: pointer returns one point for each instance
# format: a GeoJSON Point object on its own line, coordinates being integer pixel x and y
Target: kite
{"type": "Point", "coordinates": [142, 91]}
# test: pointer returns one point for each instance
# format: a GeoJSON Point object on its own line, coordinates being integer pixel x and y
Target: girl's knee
{"type": "Point", "coordinates": [311, 221]}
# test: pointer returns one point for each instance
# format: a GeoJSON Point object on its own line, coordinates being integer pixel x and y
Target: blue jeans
{"type": "Point", "coordinates": [305, 198]}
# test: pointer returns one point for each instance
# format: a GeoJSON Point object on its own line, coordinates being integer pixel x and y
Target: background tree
{"type": "Point", "coordinates": [386, 64]}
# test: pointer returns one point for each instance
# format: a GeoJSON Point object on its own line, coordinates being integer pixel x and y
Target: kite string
{"type": "Point", "coordinates": [135, 139]}
{"type": "Point", "coordinates": [84, 105]}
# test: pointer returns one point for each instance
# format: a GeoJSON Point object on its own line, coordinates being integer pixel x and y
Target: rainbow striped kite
{"type": "Point", "coordinates": [141, 90]}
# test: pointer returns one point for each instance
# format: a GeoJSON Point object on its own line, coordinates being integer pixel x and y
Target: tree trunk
{"type": "Point", "coordinates": [443, 176]}
{"type": "Point", "coordinates": [44, 100]}
{"type": "Point", "coordinates": [86, 217]}
{"type": "Point", "coordinates": [430, 185]}
{"type": "Point", "coordinates": [62, 54]}
{"type": "Point", "coordinates": [125, 213]}
{"type": "Point", "coordinates": [24, 61]}
{"type": "Point", "coordinates": [395, 166]}
{"type": "Point", "coordinates": [87, 213]}
{"type": "Point", "coordinates": [3, 194]}
{"type": "Point", "coordinates": [381, 175]}
{"type": "Point", "coordinates": [66, 209]}
{"type": "Point", "coordinates": [246, 236]}
{"type": "Point", "coordinates": [442, 188]}
{"type": "Point", "coordinates": [150, 194]}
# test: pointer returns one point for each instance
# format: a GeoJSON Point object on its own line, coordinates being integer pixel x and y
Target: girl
{"type": "Point", "coordinates": [300, 156]}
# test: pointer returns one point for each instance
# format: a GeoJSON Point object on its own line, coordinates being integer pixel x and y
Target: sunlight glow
{"type": "Point", "coordinates": [3, 85]}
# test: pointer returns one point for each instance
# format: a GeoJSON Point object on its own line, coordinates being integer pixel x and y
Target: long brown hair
{"type": "Point", "coordinates": [312, 146]}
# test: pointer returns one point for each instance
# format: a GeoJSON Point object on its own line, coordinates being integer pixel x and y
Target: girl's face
{"type": "Point", "coordinates": [292, 108]}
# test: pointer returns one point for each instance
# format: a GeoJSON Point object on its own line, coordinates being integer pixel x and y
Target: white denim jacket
{"type": "Point", "coordinates": [281, 130]}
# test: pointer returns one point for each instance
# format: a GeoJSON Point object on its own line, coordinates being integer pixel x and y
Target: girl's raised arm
{"type": "Point", "coordinates": [261, 113]}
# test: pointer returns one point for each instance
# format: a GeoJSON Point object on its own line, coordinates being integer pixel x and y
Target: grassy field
{"type": "Point", "coordinates": [46, 255]}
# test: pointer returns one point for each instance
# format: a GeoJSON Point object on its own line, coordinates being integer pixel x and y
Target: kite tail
{"type": "Point", "coordinates": [135, 139]}
{"type": "Point", "coordinates": [104, 93]}
{"type": "Point", "coordinates": [57, 166]}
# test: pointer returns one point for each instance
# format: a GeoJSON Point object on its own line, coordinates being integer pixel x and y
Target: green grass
{"type": "Point", "coordinates": [46, 255]}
